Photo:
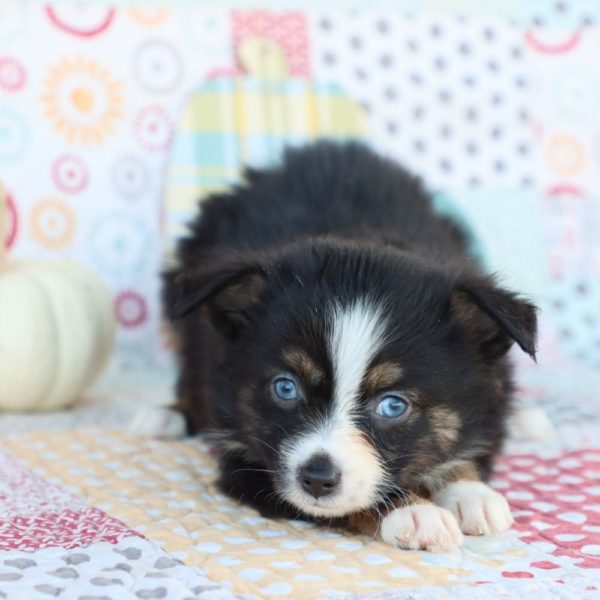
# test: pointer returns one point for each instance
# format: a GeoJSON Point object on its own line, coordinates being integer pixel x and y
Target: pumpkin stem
{"type": "Point", "coordinates": [263, 58]}
{"type": "Point", "coordinates": [3, 222]}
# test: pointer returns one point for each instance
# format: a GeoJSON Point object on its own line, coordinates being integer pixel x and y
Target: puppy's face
{"type": "Point", "coordinates": [357, 375]}
{"type": "Point", "coordinates": [340, 409]}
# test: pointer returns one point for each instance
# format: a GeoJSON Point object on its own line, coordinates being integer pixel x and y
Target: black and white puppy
{"type": "Point", "coordinates": [346, 351]}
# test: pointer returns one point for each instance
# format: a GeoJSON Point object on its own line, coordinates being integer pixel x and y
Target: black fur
{"type": "Point", "coordinates": [264, 260]}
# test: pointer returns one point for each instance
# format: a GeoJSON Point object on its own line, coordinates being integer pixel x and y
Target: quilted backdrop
{"type": "Point", "coordinates": [494, 107]}
{"type": "Point", "coordinates": [114, 117]}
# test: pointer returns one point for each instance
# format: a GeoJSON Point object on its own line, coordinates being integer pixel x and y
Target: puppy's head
{"type": "Point", "coordinates": [356, 372]}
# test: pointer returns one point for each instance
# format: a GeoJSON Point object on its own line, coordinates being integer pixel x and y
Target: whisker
{"type": "Point", "coordinates": [285, 433]}
{"type": "Point", "coordinates": [265, 443]}
{"type": "Point", "coordinates": [270, 471]}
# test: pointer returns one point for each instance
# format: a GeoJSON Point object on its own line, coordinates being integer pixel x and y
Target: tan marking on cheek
{"type": "Point", "coordinates": [357, 445]}
{"type": "Point", "coordinates": [421, 460]}
{"type": "Point", "coordinates": [360, 438]}
{"type": "Point", "coordinates": [304, 365]}
{"type": "Point", "coordinates": [382, 376]}
{"type": "Point", "coordinates": [445, 424]}
{"type": "Point", "coordinates": [360, 452]}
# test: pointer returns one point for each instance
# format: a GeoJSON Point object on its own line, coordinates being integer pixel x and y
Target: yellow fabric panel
{"type": "Point", "coordinates": [165, 490]}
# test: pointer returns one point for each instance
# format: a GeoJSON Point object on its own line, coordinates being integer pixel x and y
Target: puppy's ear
{"type": "Point", "coordinates": [229, 291]}
{"type": "Point", "coordinates": [495, 317]}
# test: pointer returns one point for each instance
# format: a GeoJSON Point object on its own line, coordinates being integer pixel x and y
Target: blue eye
{"type": "Point", "coordinates": [392, 406]}
{"type": "Point", "coordinates": [285, 389]}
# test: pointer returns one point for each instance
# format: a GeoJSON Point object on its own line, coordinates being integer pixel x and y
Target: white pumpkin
{"type": "Point", "coordinates": [56, 332]}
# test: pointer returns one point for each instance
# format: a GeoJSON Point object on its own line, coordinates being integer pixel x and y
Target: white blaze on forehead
{"type": "Point", "coordinates": [357, 334]}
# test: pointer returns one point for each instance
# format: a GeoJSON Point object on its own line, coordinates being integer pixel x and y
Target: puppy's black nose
{"type": "Point", "coordinates": [319, 477]}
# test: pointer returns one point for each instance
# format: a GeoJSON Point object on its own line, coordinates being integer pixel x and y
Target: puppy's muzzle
{"type": "Point", "coordinates": [319, 476]}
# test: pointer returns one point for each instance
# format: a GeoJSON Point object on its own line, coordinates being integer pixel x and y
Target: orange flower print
{"type": "Point", "coordinates": [82, 101]}
{"type": "Point", "coordinates": [149, 16]}
{"type": "Point", "coordinates": [52, 223]}
{"type": "Point", "coordinates": [565, 154]}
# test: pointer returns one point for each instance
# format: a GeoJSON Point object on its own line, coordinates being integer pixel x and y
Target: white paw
{"type": "Point", "coordinates": [158, 423]}
{"type": "Point", "coordinates": [478, 509]}
{"type": "Point", "coordinates": [421, 527]}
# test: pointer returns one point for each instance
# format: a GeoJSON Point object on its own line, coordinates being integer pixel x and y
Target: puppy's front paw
{"type": "Point", "coordinates": [421, 527]}
{"type": "Point", "coordinates": [163, 423]}
{"type": "Point", "coordinates": [478, 509]}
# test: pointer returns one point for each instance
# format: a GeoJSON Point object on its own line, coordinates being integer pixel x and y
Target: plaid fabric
{"type": "Point", "coordinates": [233, 122]}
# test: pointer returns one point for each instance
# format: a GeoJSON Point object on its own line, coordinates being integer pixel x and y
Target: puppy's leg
{"type": "Point", "coordinates": [478, 508]}
{"type": "Point", "coordinates": [167, 423]}
{"type": "Point", "coordinates": [415, 524]}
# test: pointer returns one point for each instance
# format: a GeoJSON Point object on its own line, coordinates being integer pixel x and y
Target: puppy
{"type": "Point", "coordinates": [346, 352]}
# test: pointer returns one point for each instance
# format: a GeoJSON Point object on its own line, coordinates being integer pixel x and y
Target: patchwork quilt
{"type": "Point", "coordinates": [126, 112]}
{"type": "Point", "coordinates": [89, 513]}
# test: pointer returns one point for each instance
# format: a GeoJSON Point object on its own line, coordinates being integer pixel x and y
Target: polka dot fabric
{"type": "Point", "coordinates": [556, 503]}
{"type": "Point", "coordinates": [448, 95]}
{"type": "Point", "coordinates": [133, 568]}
